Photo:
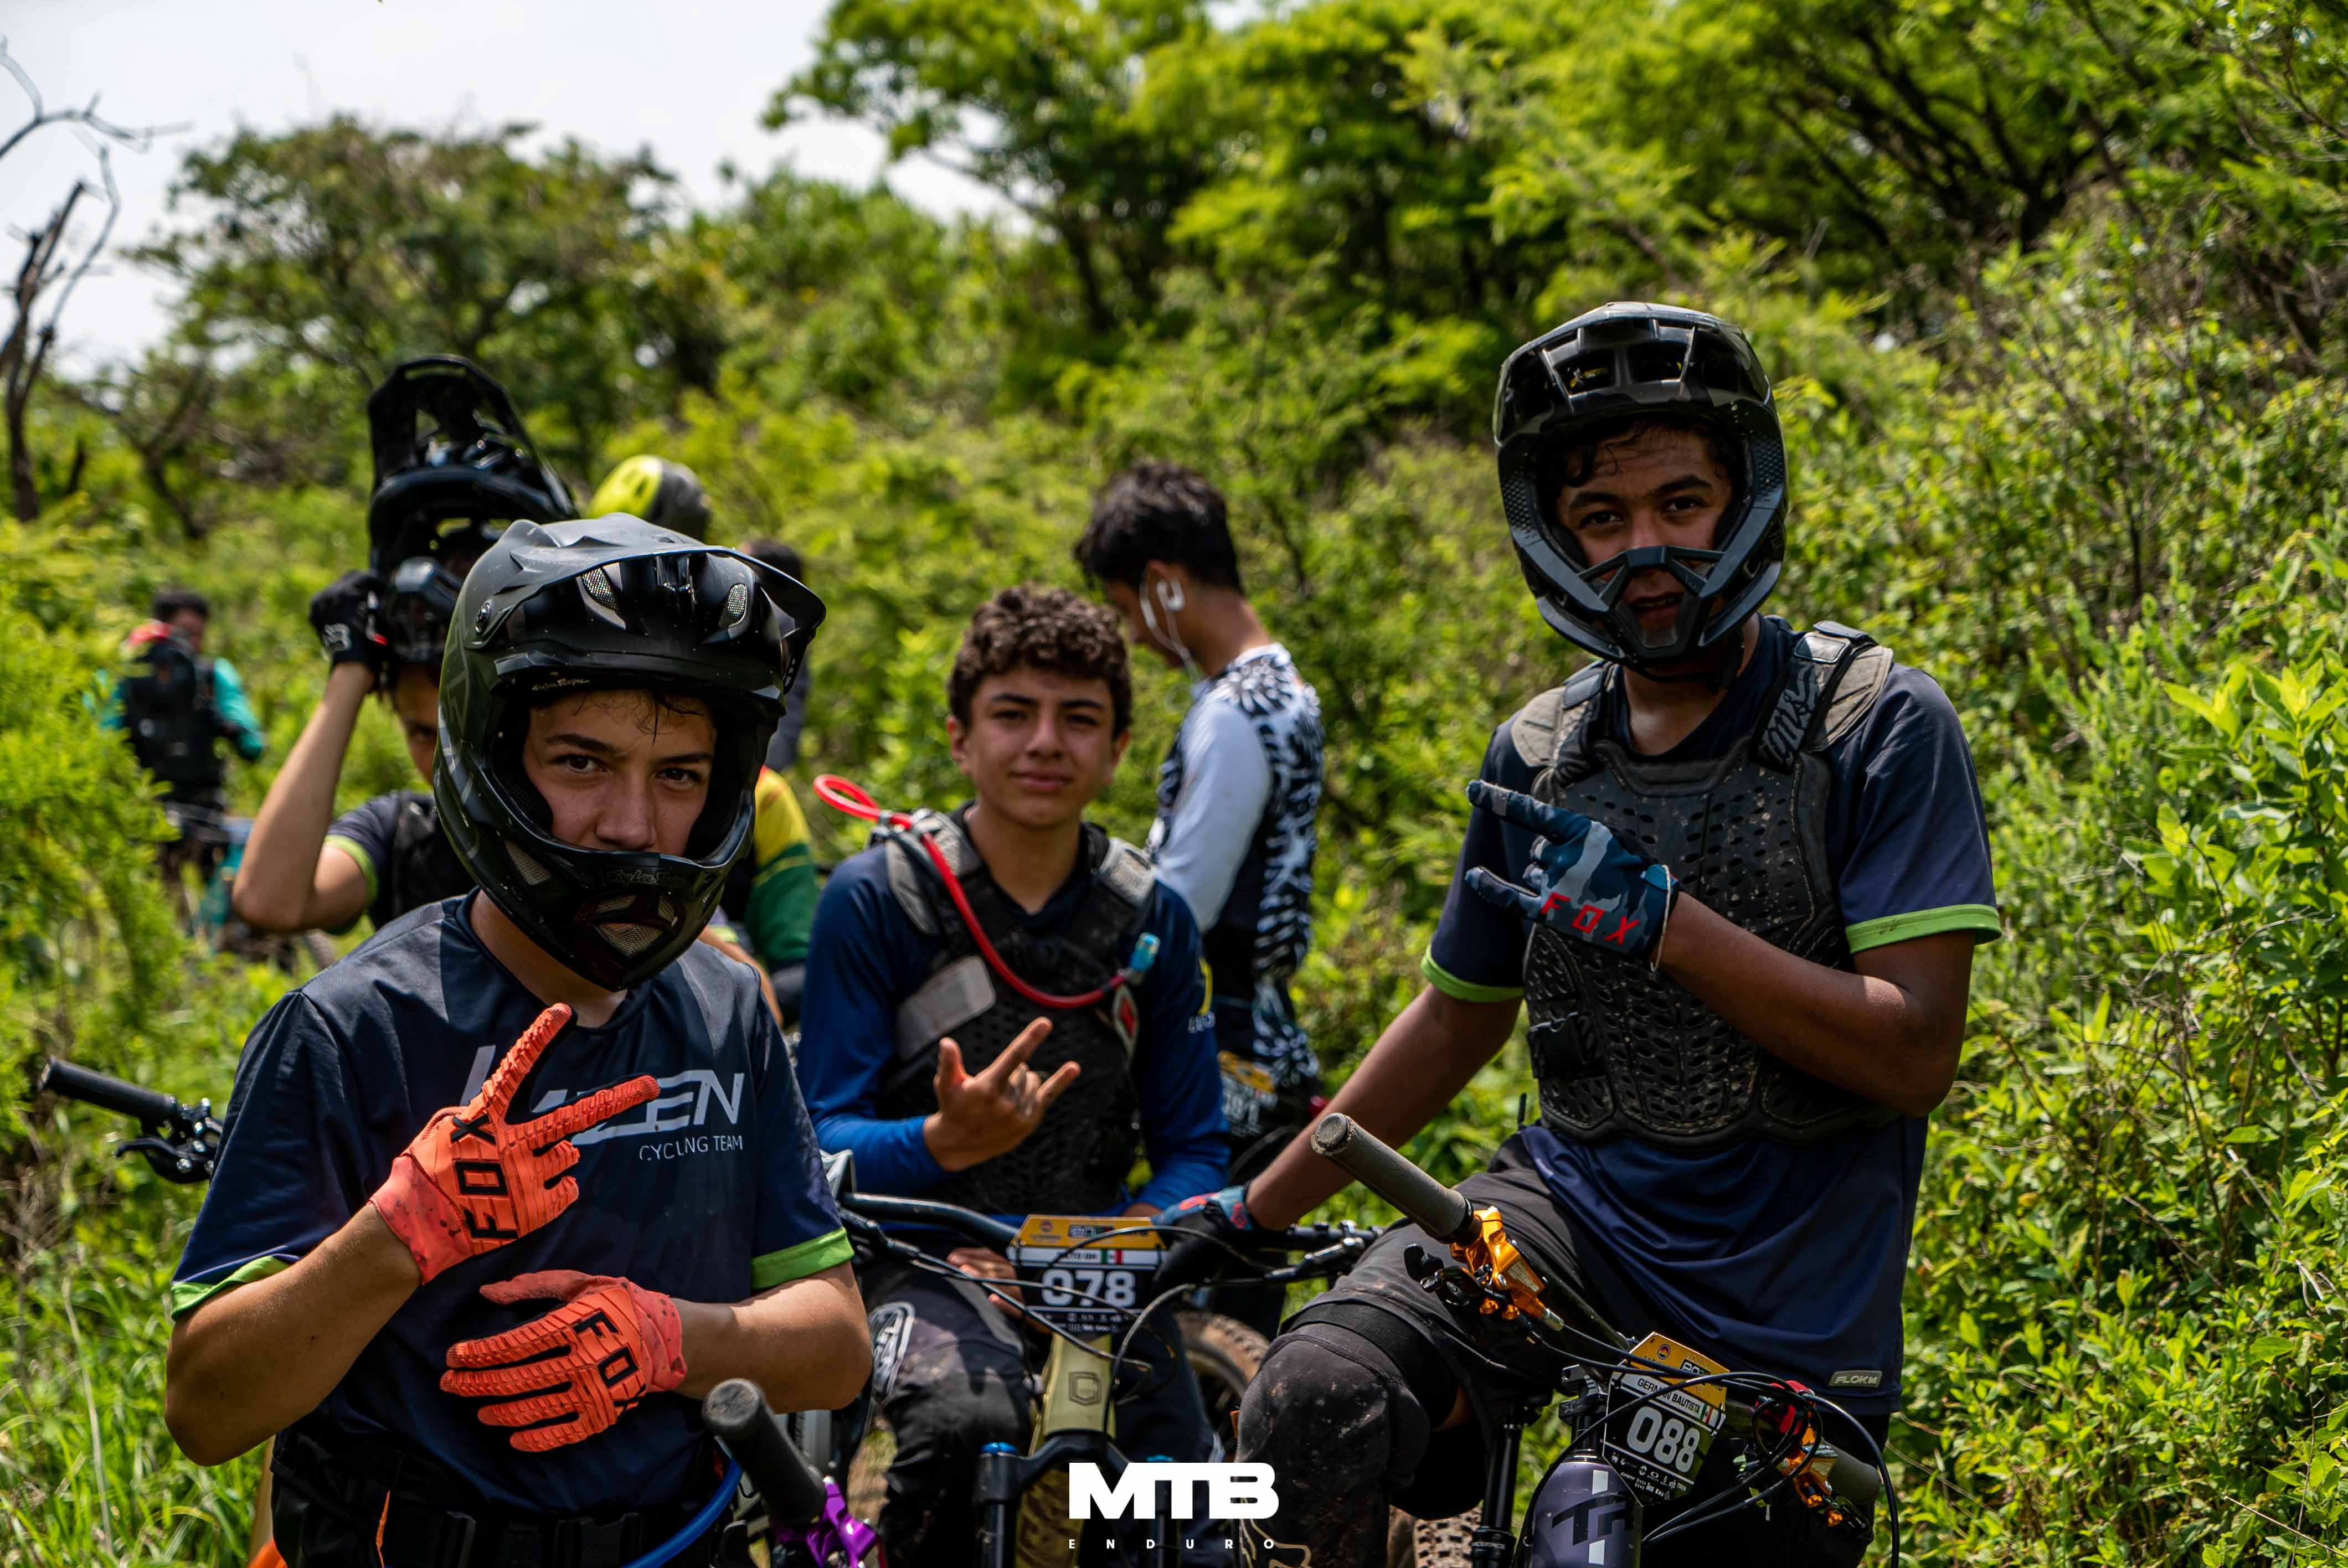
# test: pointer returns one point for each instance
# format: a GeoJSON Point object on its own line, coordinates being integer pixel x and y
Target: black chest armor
{"type": "Point", "coordinates": [1618, 1047]}
{"type": "Point", "coordinates": [422, 868]}
{"type": "Point", "coordinates": [1076, 1160]}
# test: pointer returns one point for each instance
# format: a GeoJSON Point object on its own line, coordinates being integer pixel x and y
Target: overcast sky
{"type": "Point", "coordinates": [689, 79]}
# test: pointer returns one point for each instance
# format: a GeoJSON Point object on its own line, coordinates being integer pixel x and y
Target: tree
{"type": "Point", "coordinates": [347, 249]}
{"type": "Point", "coordinates": [1035, 100]}
{"type": "Point", "coordinates": [49, 271]}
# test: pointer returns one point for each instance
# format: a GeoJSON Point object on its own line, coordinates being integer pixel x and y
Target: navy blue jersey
{"type": "Point", "coordinates": [709, 1193]}
{"type": "Point", "coordinates": [866, 957]}
{"type": "Point", "coordinates": [1780, 1258]}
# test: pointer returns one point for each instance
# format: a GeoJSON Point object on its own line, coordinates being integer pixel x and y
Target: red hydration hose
{"type": "Point", "coordinates": [841, 795]}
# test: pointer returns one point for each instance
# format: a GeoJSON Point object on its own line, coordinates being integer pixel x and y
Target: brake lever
{"type": "Point", "coordinates": [1325, 1261]}
{"type": "Point", "coordinates": [190, 1164]}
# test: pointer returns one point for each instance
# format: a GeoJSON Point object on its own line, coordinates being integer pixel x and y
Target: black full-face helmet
{"type": "Point", "coordinates": [453, 465]}
{"type": "Point", "coordinates": [609, 603]}
{"type": "Point", "coordinates": [1614, 364]}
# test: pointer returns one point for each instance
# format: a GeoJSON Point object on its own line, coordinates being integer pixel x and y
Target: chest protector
{"type": "Point", "coordinates": [423, 868]}
{"type": "Point", "coordinates": [167, 707]}
{"type": "Point", "coordinates": [1076, 1160]}
{"type": "Point", "coordinates": [1618, 1047]}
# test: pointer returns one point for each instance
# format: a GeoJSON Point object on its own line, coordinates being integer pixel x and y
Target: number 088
{"type": "Point", "coordinates": [1666, 1440]}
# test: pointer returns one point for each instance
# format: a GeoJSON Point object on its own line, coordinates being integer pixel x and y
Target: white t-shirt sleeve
{"type": "Point", "coordinates": [1226, 782]}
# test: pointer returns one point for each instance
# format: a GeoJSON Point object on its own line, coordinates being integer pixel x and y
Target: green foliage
{"type": "Point", "coordinates": [2132, 1342]}
{"type": "Point", "coordinates": [2050, 291]}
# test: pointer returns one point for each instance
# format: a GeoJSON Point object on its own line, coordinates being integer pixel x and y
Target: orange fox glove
{"type": "Point", "coordinates": [472, 1181]}
{"type": "Point", "coordinates": [570, 1374]}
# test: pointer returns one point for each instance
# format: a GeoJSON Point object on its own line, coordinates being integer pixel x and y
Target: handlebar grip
{"type": "Point", "coordinates": [1854, 1479]}
{"type": "Point", "coordinates": [736, 1412]}
{"type": "Point", "coordinates": [1441, 1212]}
{"type": "Point", "coordinates": [144, 1106]}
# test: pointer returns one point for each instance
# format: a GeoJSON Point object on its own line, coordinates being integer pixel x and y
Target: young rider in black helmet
{"type": "Point", "coordinates": [1735, 874]}
{"type": "Point", "coordinates": [770, 896]}
{"type": "Point", "coordinates": [474, 1290]}
{"type": "Point", "coordinates": [454, 465]}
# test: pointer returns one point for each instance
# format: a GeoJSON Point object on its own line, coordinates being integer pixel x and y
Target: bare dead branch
{"type": "Point", "coordinates": [137, 137]}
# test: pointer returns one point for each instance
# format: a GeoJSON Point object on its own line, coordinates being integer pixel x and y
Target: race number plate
{"type": "Point", "coordinates": [1659, 1445]}
{"type": "Point", "coordinates": [1087, 1274]}
{"type": "Point", "coordinates": [1249, 1097]}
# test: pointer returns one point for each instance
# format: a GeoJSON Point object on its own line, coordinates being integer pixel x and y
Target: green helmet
{"type": "Point", "coordinates": [664, 494]}
{"type": "Point", "coordinates": [609, 603]}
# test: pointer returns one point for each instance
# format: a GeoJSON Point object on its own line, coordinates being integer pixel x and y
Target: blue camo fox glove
{"type": "Point", "coordinates": [1583, 882]}
{"type": "Point", "coordinates": [1213, 1227]}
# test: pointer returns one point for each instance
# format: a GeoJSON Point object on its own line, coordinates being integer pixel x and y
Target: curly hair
{"type": "Point", "coordinates": [1047, 629]}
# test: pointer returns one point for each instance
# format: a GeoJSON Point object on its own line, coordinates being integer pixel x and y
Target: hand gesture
{"type": "Point", "coordinates": [570, 1374]}
{"type": "Point", "coordinates": [991, 1112]}
{"type": "Point", "coordinates": [1583, 882]}
{"type": "Point", "coordinates": [472, 1181]}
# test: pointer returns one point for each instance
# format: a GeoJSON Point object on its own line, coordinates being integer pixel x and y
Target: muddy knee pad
{"type": "Point", "coordinates": [949, 1401]}
{"type": "Point", "coordinates": [1332, 1411]}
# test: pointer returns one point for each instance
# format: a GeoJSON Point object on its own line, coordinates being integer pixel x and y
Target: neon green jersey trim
{"type": "Point", "coordinates": [1890, 928]}
{"type": "Point", "coordinates": [366, 862]}
{"type": "Point", "coordinates": [797, 1262]}
{"type": "Point", "coordinates": [187, 1294]}
{"type": "Point", "coordinates": [1451, 985]}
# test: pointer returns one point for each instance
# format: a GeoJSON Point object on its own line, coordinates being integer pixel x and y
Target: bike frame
{"type": "Point", "coordinates": [1070, 1428]}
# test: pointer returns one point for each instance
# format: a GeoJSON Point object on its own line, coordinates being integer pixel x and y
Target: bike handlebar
{"type": "Point", "coordinates": [147, 1107]}
{"type": "Point", "coordinates": [737, 1415]}
{"type": "Point", "coordinates": [969, 1224]}
{"type": "Point", "coordinates": [1443, 1213]}
{"type": "Point", "coordinates": [1853, 1478]}
{"type": "Point", "coordinates": [987, 1230]}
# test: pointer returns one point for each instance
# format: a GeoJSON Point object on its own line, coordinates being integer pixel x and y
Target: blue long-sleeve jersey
{"type": "Point", "coordinates": [865, 957]}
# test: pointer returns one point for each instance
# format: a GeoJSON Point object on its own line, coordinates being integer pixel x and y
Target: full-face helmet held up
{"type": "Point", "coordinates": [453, 465]}
{"type": "Point", "coordinates": [1603, 369]}
{"type": "Point", "coordinates": [609, 603]}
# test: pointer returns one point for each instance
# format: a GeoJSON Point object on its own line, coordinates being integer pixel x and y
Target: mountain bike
{"type": "Point", "coordinates": [1083, 1286]}
{"type": "Point", "coordinates": [1642, 1415]}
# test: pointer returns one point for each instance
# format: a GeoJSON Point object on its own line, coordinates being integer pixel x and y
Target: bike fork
{"type": "Point", "coordinates": [1493, 1545]}
{"type": "Point", "coordinates": [997, 1494]}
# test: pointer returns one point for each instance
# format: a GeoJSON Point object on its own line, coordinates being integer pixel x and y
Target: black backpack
{"type": "Point", "coordinates": [167, 710]}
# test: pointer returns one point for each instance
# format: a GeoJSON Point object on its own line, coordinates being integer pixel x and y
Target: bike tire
{"type": "Point", "coordinates": [1224, 1354]}
{"type": "Point", "coordinates": [1440, 1543]}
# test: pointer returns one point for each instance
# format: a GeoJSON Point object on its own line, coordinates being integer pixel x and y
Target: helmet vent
{"type": "Point", "coordinates": [532, 871]}
{"type": "Point", "coordinates": [1657, 361]}
{"type": "Point", "coordinates": [595, 589]}
{"type": "Point", "coordinates": [1587, 374]}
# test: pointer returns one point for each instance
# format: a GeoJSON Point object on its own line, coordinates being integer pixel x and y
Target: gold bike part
{"type": "Point", "coordinates": [1493, 1259]}
{"type": "Point", "coordinates": [1074, 1397]}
